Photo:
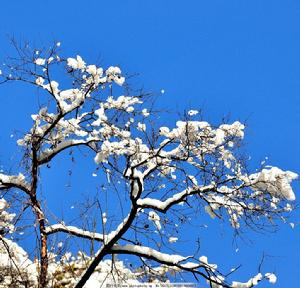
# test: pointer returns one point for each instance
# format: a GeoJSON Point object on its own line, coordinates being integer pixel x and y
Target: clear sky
{"type": "Point", "coordinates": [238, 58]}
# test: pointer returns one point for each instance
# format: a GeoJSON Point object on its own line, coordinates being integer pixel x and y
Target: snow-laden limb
{"type": "Point", "coordinates": [136, 179]}
{"type": "Point", "coordinates": [150, 253]}
{"type": "Point", "coordinates": [175, 199]}
{"type": "Point", "coordinates": [274, 181]}
{"type": "Point", "coordinates": [49, 153]}
{"type": "Point", "coordinates": [174, 262]}
{"type": "Point", "coordinates": [254, 281]}
{"type": "Point", "coordinates": [250, 283]}
{"type": "Point", "coordinates": [73, 230]}
{"type": "Point", "coordinates": [14, 181]}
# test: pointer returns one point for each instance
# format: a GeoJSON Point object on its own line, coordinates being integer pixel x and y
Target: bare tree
{"type": "Point", "coordinates": [154, 178]}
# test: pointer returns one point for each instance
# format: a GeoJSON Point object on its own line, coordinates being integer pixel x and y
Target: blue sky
{"type": "Point", "coordinates": [230, 58]}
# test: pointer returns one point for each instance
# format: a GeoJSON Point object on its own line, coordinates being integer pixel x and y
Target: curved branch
{"type": "Point", "coordinates": [74, 231]}
{"type": "Point", "coordinates": [13, 181]}
{"type": "Point", "coordinates": [163, 206]}
{"type": "Point", "coordinates": [48, 154]}
{"type": "Point", "coordinates": [169, 260]}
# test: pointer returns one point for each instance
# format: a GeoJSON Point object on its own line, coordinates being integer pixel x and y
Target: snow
{"type": "Point", "coordinates": [235, 129]}
{"type": "Point", "coordinates": [6, 218]}
{"type": "Point", "coordinates": [61, 146]}
{"type": "Point", "coordinates": [40, 81]}
{"type": "Point", "coordinates": [271, 277]}
{"type": "Point", "coordinates": [91, 69]}
{"type": "Point", "coordinates": [3, 204]}
{"type": "Point", "coordinates": [145, 112]}
{"type": "Point", "coordinates": [104, 218]}
{"type": "Point", "coordinates": [52, 87]}
{"type": "Point", "coordinates": [164, 131]}
{"type": "Point", "coordinates": [100, 113]}
{"type": "Point", "coordinates": [69, 99]}
{"type": "Point", "coordinates": [40, 61]}
{"type": "Point", "coordinates": [204, 260]}
{"type": "Point", "coordinates": [275, 181]}
{"type": "Point", "coordinates": [50, 60]}
{"type": "Point", "coordinates": [172, 239]}
{"type": "Point", "coordinates": [17, 259]}
{"type": "Point", "coordinates": [193, 112]}
{"type": "Point", "coordinates": [113, 73]}
{"type": "Point", "coordinates": [77, 63]}
{"type": "Point", "coordinates": [217, 279]}
{"type": "Point", "coordinates": [153, 216]}
{"type": "Point", "coordinates": [147, 251]}
{"type": "Point", "coordinates": [15, 181]}
{"type": "Point", "coordinates": [141, 127]}
{"type": "Point", "coordinates": [109, 148]}
{"type": "Point", "coordinates": [121, 103]}
{"type": "Point", "coordinates": [251, 282]}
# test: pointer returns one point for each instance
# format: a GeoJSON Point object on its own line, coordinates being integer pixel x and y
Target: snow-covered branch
{"type": "Point", "coordinates": [73, 230]}
{"type": "Point", "coordinates": [174, 261]}
{"type": "Point", "coordinates": [48, 154]}
{"type": "Point", "coordinates": [12, 181]}
{"type": "Point", "coordinates": [163, 206]}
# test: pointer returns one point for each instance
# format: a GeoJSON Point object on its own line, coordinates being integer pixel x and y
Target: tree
{"type": "Point", "coordinates": [154, 177]}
